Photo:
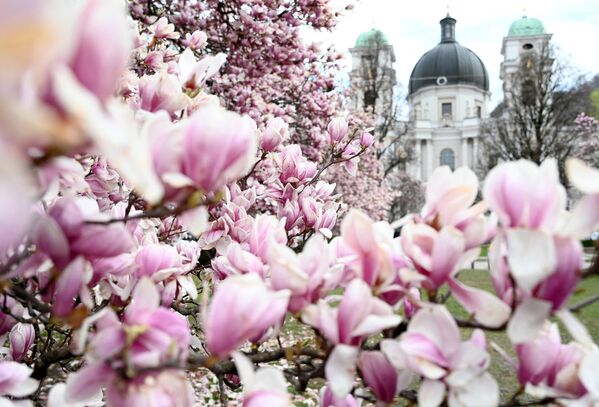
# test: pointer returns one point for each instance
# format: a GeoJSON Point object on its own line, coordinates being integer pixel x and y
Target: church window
{"type": "Point", "coordinates": [446, 109]}
{"type": "Point", "coordinates": [527, 46]}
{"type": "Point", "coordinates": [369, 98]}
{"type": "Point", "coordinates": [448, 158]}
{"type": "Point", "coordinates": [479, 112]}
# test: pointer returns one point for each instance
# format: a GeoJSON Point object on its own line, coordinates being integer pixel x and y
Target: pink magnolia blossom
{"type": "Point", "coordinates": [16, 196]}
{"type": "Point", "coordinates": [96, 66]}
{"type": "Point", "coordinates": [169, 387]}
{"type": "Point", "coordinates": [450, 198]}
{"type": "Point", "coordinates": [63, 234]}
{"type": "Point", "coordinates": [242, 308]}
{"type": "Point", "coordinates": [366, 140]}
{"type": "Point", "coordinates": [196, 40]}
{"type": "Point", "coordinates": [379, 375]}
{"type": "Point", "coordinates": [359, 314]}
{"type": "Point", "coordinates": [526, 195]}
{"type": "Point", "coordinates": [294, 166]}
{"type": "Point", "coordinates": [542, 359]}
{"type": "Point", "coordinates": [309, 275]}
{"type": "Point", "coordinates": [432, 348]}
{"type": "Point", "coordinates": [21, 338]}
{"type": "Point", "coordinates": [219, 147]}
{"type": "Point", "coordinates": [373, 246]}
{"type": "Point", "coordinates": [161, 91]}
{"type": "Point", "coordinates": [164, 30]}
{"type": "Point", "coordinates": [193, 73]}
{"type": "Point", "coordinates": [264, 387]}
{"type": "Point", "coordinates": [266, 231]}
{"type": "Point", "coordinates": [15, 382]}
{"type": "Point", "coordinates": [275, 133]}
{"type": "Point", "coordinates": [328, 399]}
{"type": "Point", "coordinates": [337, 130]}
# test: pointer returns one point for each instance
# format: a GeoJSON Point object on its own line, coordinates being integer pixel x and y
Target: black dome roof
{"type": "Point", "coordinates": [449, 63]}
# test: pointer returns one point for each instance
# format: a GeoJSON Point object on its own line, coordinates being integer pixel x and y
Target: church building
{"type": "Point", "coordinates": [448, 91]}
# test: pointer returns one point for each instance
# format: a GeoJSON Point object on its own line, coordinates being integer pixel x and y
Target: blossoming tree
{"type": "Point", "coordinates": [148, 232]}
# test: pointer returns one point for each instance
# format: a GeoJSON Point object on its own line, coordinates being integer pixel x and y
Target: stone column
{"type": "Point", "coordinates": [430, 158]}
{"type": "Point", "coordinates": [464, 151]}
{"type": "Point", "coordinates": [418, 172]}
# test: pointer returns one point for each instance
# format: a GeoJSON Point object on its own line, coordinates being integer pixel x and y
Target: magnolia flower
{"type": "Point", "coordinates": [15, 382]}
{"type": "Point", "coordinates": [16, 196]}
{"type": "Point", "coordinates": [373, 246]}
{"type": "Point", "coordinates": [163, 30]}
{"type": "Point", "coordinates": [96, 66]}
{"type": "Point", "coordinates": [242, 308]}
{"type": "Point", "coordinates": [546, 363]}
{"type": "Point", "coordinates": [328, 399]}
{"type": "Point", "coordinates": [294, 166]}
{"type": "Point", "coordinates": [170, 387]}
{"type": "Point", "coordinates": [308, 275]}
{"type": "Point", "coordinates": [526, 195]}
{"type": "Point", "coordinates": [63, 234]}
{"type": "Point", "coordinates": [275, 133]}
{"type": "Point", "coordinates": [432, 348]}
{"type": "Point", "coordinates": [437, 256]}
{"type": "Point", "coordinates": [193, 73]}
{"type": "Point", "coordinates": [161, 91]}
{"type": "Point", "coordinates": [265, 387]}
{"type": "Point", "coordinates": [337, 129]}
{"type": "Point", "coordinates": [359, 314]}
{"type": "Point", "coordinates": [196, 40]}
{"type": "Point", "coordinates": [218, 147]}
{"type": "Point", "coordinates": [366, 140]}
{"type": "Point", "coordinates": [380, 375]}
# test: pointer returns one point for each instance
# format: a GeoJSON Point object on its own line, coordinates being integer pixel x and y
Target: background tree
{"type": "Point", "coordinates": [271, 71]}
{"type": "Point", "coordinates": [536, 119]}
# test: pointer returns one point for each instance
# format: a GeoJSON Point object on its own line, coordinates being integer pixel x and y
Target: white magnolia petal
{"type": "Point", "coordinates": [394, 352]}
{"type": "Point", "coordinates": [376, 323]}
{"type": "Point", "coordinates": [578, 331]}
{"type": "Point", "coordinates": [528, 319]}
{"type": "Point", "coordinates": [483, 391]}
{"type": "Point", "coordinates": [245, 369]}
{"type": "Point", "coordinates": [431, 393]}
{"type": "Point", "coordinates": [340, 370]}
{"type": "Point", "coordinates": [588, 373]}
{"type": "Point", "coordinates": [582, 176]}
{"type": "Point", "coordinates": [486, 308]}
{"type": "Point", "coordinates": [531, 256]}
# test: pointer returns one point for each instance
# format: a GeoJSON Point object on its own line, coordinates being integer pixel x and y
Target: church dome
{"type": "Point", "coordinates": [526, 26]}
{"type": "Point", "coordinates": [370, 38]}
{"type": "Point", "coordinates": [449, 63]}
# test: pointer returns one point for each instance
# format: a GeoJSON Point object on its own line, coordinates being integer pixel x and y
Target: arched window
{"type": "Point", "coordinates": [369, 98]}
{"type": "Point", "coordinates": [448, 158]}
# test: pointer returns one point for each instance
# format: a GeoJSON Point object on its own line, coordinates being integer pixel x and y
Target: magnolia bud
{"type": "Point", "coordinates": [21, 338]}
{"type": "Point", "coordinates": [337, 130]}
{"type": "Point", "coordinates": [366, 140]}
{"type": "Point", "coordinates": [276, 132]}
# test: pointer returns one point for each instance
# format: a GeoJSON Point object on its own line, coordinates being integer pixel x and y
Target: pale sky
{"type": "Point", "coordinates": [412, 27]}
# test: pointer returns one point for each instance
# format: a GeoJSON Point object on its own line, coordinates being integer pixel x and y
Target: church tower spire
{"type": "Point", "coordinates": [448, 29]}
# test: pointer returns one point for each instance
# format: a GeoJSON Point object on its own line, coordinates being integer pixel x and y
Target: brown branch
{"type": "Point", "coordinates": [463, 323]}
{"type": "Point", "coordinates": [227, 366]}
{"type": "Point", "coordinates": [577, 307]}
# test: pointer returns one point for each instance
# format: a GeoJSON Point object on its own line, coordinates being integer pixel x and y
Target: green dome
{"type": "Point", "coordinates": [370, 38]}
{"type": "Point", "coordinates": [526, 26]}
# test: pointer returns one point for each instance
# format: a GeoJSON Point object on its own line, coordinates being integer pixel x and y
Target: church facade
{"type": "Point", "coordinates": [448, 91]}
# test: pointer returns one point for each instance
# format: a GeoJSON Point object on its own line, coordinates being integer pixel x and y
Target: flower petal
{"type": "Point", "coordinates": [340, 370]}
